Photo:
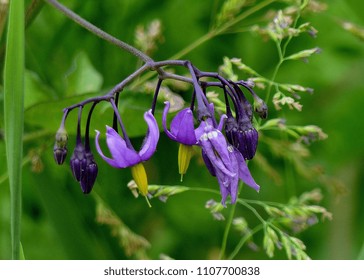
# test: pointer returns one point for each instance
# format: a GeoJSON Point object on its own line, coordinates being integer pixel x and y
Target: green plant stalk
{"type": "Point", "coordinates": [228, 225]}
{"type": "Point", "coordinates": [243, 240]}
{"type": "Point", "coordinates": [227, 231]}
{"type": "Point", "coordinates": [14, 115]}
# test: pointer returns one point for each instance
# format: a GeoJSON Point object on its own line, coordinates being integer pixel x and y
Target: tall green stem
{"type": "Point", "coordinates": [228, 226]}
{"type": "Point", "coordinates": [227, 231]}
{"type": "Point", "coordinates": [14, 115]}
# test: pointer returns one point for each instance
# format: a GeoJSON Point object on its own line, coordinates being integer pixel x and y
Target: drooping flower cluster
{"type": "Point", "coordinates": [225, 144]}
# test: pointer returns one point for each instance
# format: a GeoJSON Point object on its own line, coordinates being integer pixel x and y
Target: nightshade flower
{"type": "Point", "coordinates": [182, 131]}
{"type": "Point", "coordinates": [223, 160]}
{"type": "Point", "coordinates": [124, 155]}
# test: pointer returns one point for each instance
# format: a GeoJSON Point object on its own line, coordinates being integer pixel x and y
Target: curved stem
{"type": "Point", "coordinates": [78, 137]}
{"type": "Point", "coordinates": [243, 240]}
{"type": "Point", "coordinates": [155, 97]}
{"type": "Point", "coordinates": [227, 231]}
{"type": "Point", "coordinates": [87, 133]}
{"type": "Point", "coordinates": [123, 130]}
{"type": "Point", "coordinates": [115, 119]}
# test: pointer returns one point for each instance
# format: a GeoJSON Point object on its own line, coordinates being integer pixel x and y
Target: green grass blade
{"type": "Point", "coordinates": [14, 115]}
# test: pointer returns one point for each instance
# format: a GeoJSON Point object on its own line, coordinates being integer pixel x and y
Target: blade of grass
{"type": "Point", "coordinates": [14, 115]}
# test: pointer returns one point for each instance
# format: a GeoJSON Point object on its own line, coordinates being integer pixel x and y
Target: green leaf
{"type": "Point", "coordinates": [14, 115]}
{"type": "Point", "coordinates": [82, 77]}
{"type": "Point", "coordinates": [35, 90]}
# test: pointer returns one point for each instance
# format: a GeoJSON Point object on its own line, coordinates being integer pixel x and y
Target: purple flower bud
{"type": "Point", "coordinates": [89, 175]}
{"type": "Point", "coordinates": [60, 154]}
{"type": "Point", "coordinates": [78, 161]}
{"type": "Point", "coordinates": [243, 136]}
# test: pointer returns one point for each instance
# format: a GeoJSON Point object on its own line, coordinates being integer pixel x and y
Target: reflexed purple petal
{"type": "Point", "coordinates": [200, 130]}
{"type": "Point", "coordinates": [215, 159]}
{"type": "Point", "coordinates": [224, 191]}
{"type": "Point", "coordinates": [182, 126]}
{"type": "Point", "coordinates": [164, 122]}
{"type": "Point", "coordinates": [212, 111]}
{"type": "Point", "coordinates": [208, 164]}
{"type": "Point", "coordinates": [117, 163]}
{"type": "Point", "coordinates": [151, 140]}
{"type": "Point", "coordinates": [244, 173]}
{"type": "Point", "coordinates": [222, 122]}
{"type": "Point", "coordinates": [234, 181]}
{"type": "Point", "coordinates": [122, 154]}
{"type": "Point", "coordinates": [219, 144]}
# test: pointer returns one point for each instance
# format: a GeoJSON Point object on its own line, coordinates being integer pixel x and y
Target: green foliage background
{"type": "Point", "coordinates": [65, 64]}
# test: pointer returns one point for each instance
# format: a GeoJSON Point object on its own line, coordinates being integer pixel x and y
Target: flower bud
{"type": "Point", "coordinates": [78, 161]}
{"type": "Point", "coordinates": [60, 154]}
{"type": "Point", "coordinates": [60, 146]}
{"type": "Point", "coordinates": [260, 107]}
{"type": "Point", "coordinates": [243, 136]}
{"type": "Point", "coordinates": [88, 177]}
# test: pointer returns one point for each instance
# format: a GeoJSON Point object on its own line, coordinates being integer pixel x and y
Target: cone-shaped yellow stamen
{"type": "Point", "coordinates": [184, 157]}
{"type": "Point", "coordinates": [140, 178]}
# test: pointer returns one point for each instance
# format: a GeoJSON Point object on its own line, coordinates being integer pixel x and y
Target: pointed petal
{"type": "Point", "coordinates": [234, 182]}
{"type": "Point", "coordinates": [220, 145]}
{"type": "Point", "coordinates": [214, 158]}
{"type": "Point", "coordinates": [208, 164]}
{"type": "Point", "coordinates": [164, 121]}
{"type": "Point", "coordinates": [222, 122]}
{"type": "Point", "coordinates": [244, 173]}
{"type": "Point", "coordinates": [123, 155]}
{"type": "Point", "coordinates": [110, 161]}
{"type": "Point", "coordinates": [224, 191]}
{"type": "Point", "coordinates": [200, 130]}
{"type": "Point", "coordinates": [183, 128]}
{"type": "Point", "coordinates": [151, 140]}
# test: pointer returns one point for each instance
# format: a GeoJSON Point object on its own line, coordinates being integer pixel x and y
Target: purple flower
{"type": "Point", "coordinates": [124, 155]}
{"type": "Point", "coordinates": [223, 160]}
{"type": "Point", "coordinates": [182, 131]}
{"type": "Point", "coordinates": [182, 126]}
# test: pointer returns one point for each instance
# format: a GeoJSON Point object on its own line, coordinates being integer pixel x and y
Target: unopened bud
{"type": "Point", "coordinates": [242, 136]}
{"type": "Point", "coordinates": [260, 107]}
{"type": "Point", "coordinates": [78, 162]}
{"type": "Point", "coordinates": [60, 146]}
{"type": "Point", "coordinates": [89, 175]}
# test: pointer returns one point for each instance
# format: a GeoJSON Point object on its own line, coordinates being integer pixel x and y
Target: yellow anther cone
{"type": "Point", "coordinates": [184, 156]}
{"type": "Point", "coordinates": [140, 178]}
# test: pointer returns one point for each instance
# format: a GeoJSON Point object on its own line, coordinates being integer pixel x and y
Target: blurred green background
{"type": "Point", "coordinates": [65, 63]}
